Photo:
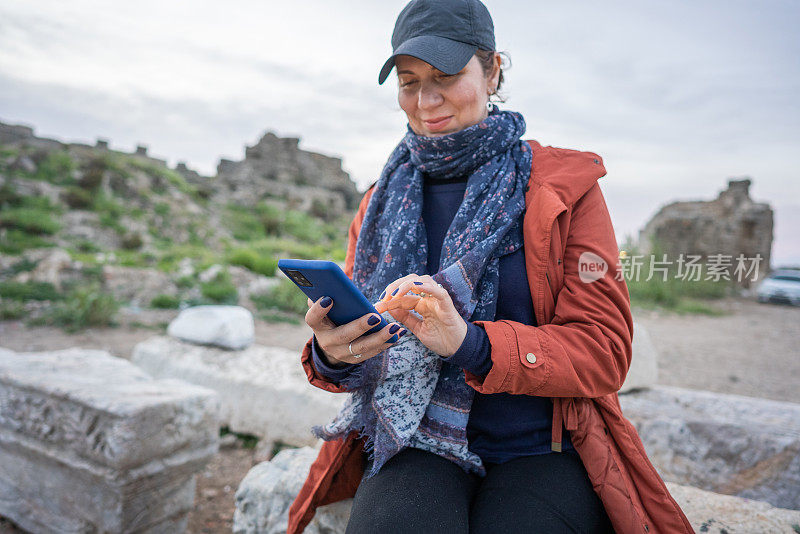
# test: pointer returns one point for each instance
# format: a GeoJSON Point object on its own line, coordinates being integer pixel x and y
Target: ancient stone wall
{"type": "Point", "coordinates": [730, 225]}
{"type": "Point", "coordinates": [277, 168]}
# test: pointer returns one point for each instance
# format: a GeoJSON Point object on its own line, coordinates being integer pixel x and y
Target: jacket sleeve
{"type": "Point", "coordinates": [585, 351]}
{"type": "Point", "coordinates": [306, 358]}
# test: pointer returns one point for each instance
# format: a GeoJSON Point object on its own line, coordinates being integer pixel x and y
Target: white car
{"type": "Point", "coordinates": [781, 286]}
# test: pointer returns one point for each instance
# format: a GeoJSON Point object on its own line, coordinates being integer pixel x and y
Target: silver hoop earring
{"type": "Point", "coordinates": [489, 106]}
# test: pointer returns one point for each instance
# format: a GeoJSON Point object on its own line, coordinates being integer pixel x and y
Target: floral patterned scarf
{"type": "Point", "coordinates": [408, 396]}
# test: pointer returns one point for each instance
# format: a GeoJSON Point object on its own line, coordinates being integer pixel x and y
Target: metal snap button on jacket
{"type": "Point", "coordinates": [531, 357]}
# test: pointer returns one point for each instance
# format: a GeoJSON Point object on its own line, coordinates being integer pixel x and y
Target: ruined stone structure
{"type": "Point", "coordinates": [730, 225]}
{"type": "Point", "coordinates": [90, 443]}
{"type": "Point", "coordinates": [276, 168]}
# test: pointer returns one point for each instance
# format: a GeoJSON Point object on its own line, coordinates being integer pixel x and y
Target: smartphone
{"type": "Point", "coordinates": [318, 278]}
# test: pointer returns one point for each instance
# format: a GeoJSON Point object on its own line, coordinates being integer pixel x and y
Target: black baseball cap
{"type": "Point", "coordinates": [443, 33]}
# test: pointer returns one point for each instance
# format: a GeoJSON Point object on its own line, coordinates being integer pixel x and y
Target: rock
{"type": "Point", "coordinates": [263, 390]}
{"type": "Point", "coordinates": [643, 371]}
{"type": "Point", "coordinates": [712, 512]}
{"type": "Point", "coordinates": [718, 231]}
{"type": "Point", "coordinates": [135, 285]}
{"type": "Point", "coordinates": [728, 444]}
{"type": "Point", "coordinates": [266, 493]}
{"type": "Point", "coordinates": [48, 269]}
{"type": "Point", "coordinates": [210, 273]}
{"type": "Point", "coordinates": [90, 443]}
{"type": "Point", "coordinates": [230, 327]}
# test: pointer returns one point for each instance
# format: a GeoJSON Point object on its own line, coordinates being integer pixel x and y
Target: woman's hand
{"type": "Point", "coordinates": [336, 341]}
{"type": "Point", "coordinates": [441, 328]}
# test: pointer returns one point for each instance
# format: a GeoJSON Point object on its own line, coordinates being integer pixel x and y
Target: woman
{"type": "Point", "coordinates": [496, 409]}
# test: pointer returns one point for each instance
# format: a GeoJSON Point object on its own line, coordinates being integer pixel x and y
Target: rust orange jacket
{"type": "Point", "coordinates": [581, 352]}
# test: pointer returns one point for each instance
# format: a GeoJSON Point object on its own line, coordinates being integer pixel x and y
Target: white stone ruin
{"type": "Point", "coordinates": [263, 390]}
{"type": "Point", "coordinates": [90, 443]}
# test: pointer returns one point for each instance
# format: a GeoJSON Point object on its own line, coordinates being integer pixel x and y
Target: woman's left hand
{"type": "Point", "coordinates": [441, 328]}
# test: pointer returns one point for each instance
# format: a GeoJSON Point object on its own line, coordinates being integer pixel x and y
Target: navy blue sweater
{"type": "Point", "coordinates": [501, 426]}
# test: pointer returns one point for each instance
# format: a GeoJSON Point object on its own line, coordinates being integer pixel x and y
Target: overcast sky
{"type": "Point", "coordinates": [676, 97]}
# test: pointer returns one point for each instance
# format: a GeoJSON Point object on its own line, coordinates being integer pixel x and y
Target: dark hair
{"type": "Point", "coordinates": [486, 59]}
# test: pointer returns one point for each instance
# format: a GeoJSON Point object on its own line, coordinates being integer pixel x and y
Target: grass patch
{"type": "Point", "coordinates": [221, 289]}
{"type": "Point", "coordinates": [252, 260]}
{"type": "Point", "coordinates": [29, 220]}
{"type": "Point", "coordinates": [692, 295]}
{"type": "Point", "coordinates": [57, 168]}
{"type": "Point", "coordinates": [10, 311]}
{"type": "Point", "coordinates": [23, 291]}
{"type": "Point", "coordinates": [165, 302]}
{"type": "Point", "coordinates": [82, 307]}
{"type": "Point", "coordinates": [285, 296]}
{"type": "Point", "coordinates": [277, 316]}
{"type": "Point", "coordinates": [15, 241]}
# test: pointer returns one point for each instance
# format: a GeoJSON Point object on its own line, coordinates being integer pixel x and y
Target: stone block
{"type": "Point", "coordinates": [727, 444]}
{"type": "Point", "coordinates": [91, 443]}
{"type": "Point", "coordinates": [263, 390]}
{"type": "Point", "coordinates": [266, 493]}
{"type": "Point", "coordinates": [230, 327]}
{"type": "Point", "coordinates": [643, 371]}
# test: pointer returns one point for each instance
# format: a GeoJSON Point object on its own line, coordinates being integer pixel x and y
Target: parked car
{"type": "Point", "coordinates": [781, 286]}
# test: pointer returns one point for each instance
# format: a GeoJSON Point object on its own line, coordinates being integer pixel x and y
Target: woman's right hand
{"type": "Point", "coordinates": [334, 340]}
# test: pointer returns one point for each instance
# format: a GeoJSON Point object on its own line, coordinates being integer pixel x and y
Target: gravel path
{"type": "Point", "coordinates": [753, 351]}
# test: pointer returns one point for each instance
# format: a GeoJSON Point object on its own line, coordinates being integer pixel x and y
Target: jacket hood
{"type": "Point", "coordinates": [568, 173]}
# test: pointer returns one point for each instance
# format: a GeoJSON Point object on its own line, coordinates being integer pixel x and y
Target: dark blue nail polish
{"type": "Point", "coordinates": [394, 328]}
{"type": "Point", "coordinates": [395, 292]}
{"type": "Point", "coordinates": [418, 283]}
{"type": "Point", "coordinates": [325, 302]}
{"type": "Point", "coordinates": [382, 295]}
{"type": "Point", "coordinates": [402, 332]}
{"type": "Point", "coordinates": [373, 320]}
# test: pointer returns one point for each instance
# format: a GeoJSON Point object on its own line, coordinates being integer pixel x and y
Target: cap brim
{"type": "Point", "coordinates": [445, 54]}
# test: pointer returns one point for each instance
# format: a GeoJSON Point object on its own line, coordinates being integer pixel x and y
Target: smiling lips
{"type": "Point", "coordinates": [437, 123]}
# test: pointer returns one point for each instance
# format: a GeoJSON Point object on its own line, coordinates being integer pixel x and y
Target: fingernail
{"type": "Point", "coordinates": [394, 328]}
{"type": "Point", "coordinates": [395, 292]}
{"type": "Point", "coordinates": [382, 295]}
{"type": "Point", "coordinates": [418, 283]}
{"type": "Point", "coordinates": [325, 302]}
{"type": "Point", "coordinates": [402, 332]}
{"type": "Point", "coordinates": [373, 320]}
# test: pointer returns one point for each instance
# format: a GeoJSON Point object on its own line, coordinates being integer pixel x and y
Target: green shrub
{"type": "Point", "coordinates": [165, 302]}
{"type": "Point", "coordinates": [132, 241]}
{"type": "Point", "coordinates": [284, 296]}
{"type": "Point", "coordinates": [254, 261]}
{"type": "Point", "coordinates": [161, 208]}
{"type": "Point", "coordinates": [30, 220]}
{"type": "Point", "coordinates": [8, 195]}
{"type": "Point", "coordinates": [186, 282]}
{"type": "Point", "coordinates": [17, 241]}
{"type": "Point", "coordinates": [11, 310]}
{"type": "Point", "coordinates": [220, 289]}
{"type": "Point", "coordinates": [84, 245]}
{"type": "Point", "coordinates": [22, 266]}
{"type": "Point", "coordinates": [56, 168]}
{"type": "Point", "coordinates": [243, 225]}
{"type": "Point", "coordinates": [77, 198]}
{"type": "Point", "coordinates": [92, 176]}
{"type": "Point", "coordinates": [303, 227]}
{"type": "Point", "coordinates": [23, 291]}
{"type": "Point", "coordinates": [83, 307]}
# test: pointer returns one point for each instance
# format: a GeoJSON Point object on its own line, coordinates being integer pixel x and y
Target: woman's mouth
{"type": "Point", "coordinates": [438, 123]}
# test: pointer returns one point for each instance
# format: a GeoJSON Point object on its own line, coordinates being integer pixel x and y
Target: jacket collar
{"type": "Point", "coordinates": [567, 173]}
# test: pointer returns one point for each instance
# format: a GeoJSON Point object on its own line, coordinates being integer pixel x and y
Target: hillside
{"type": "Point", "coordinates": [115, 228]}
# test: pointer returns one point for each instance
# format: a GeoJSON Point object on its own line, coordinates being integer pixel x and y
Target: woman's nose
{"type": "Point", "coordinates": [429, 97]}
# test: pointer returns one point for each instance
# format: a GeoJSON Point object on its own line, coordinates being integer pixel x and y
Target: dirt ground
{"type": "Point", "coordinates": [753, 350]}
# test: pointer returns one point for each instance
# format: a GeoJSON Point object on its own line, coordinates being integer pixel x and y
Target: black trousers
{"type": "Point", "coordinates": [420, 492]}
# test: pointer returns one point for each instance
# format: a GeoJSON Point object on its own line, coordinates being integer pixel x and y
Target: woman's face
{"type": "Point", "coordinates": [437, 103]}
